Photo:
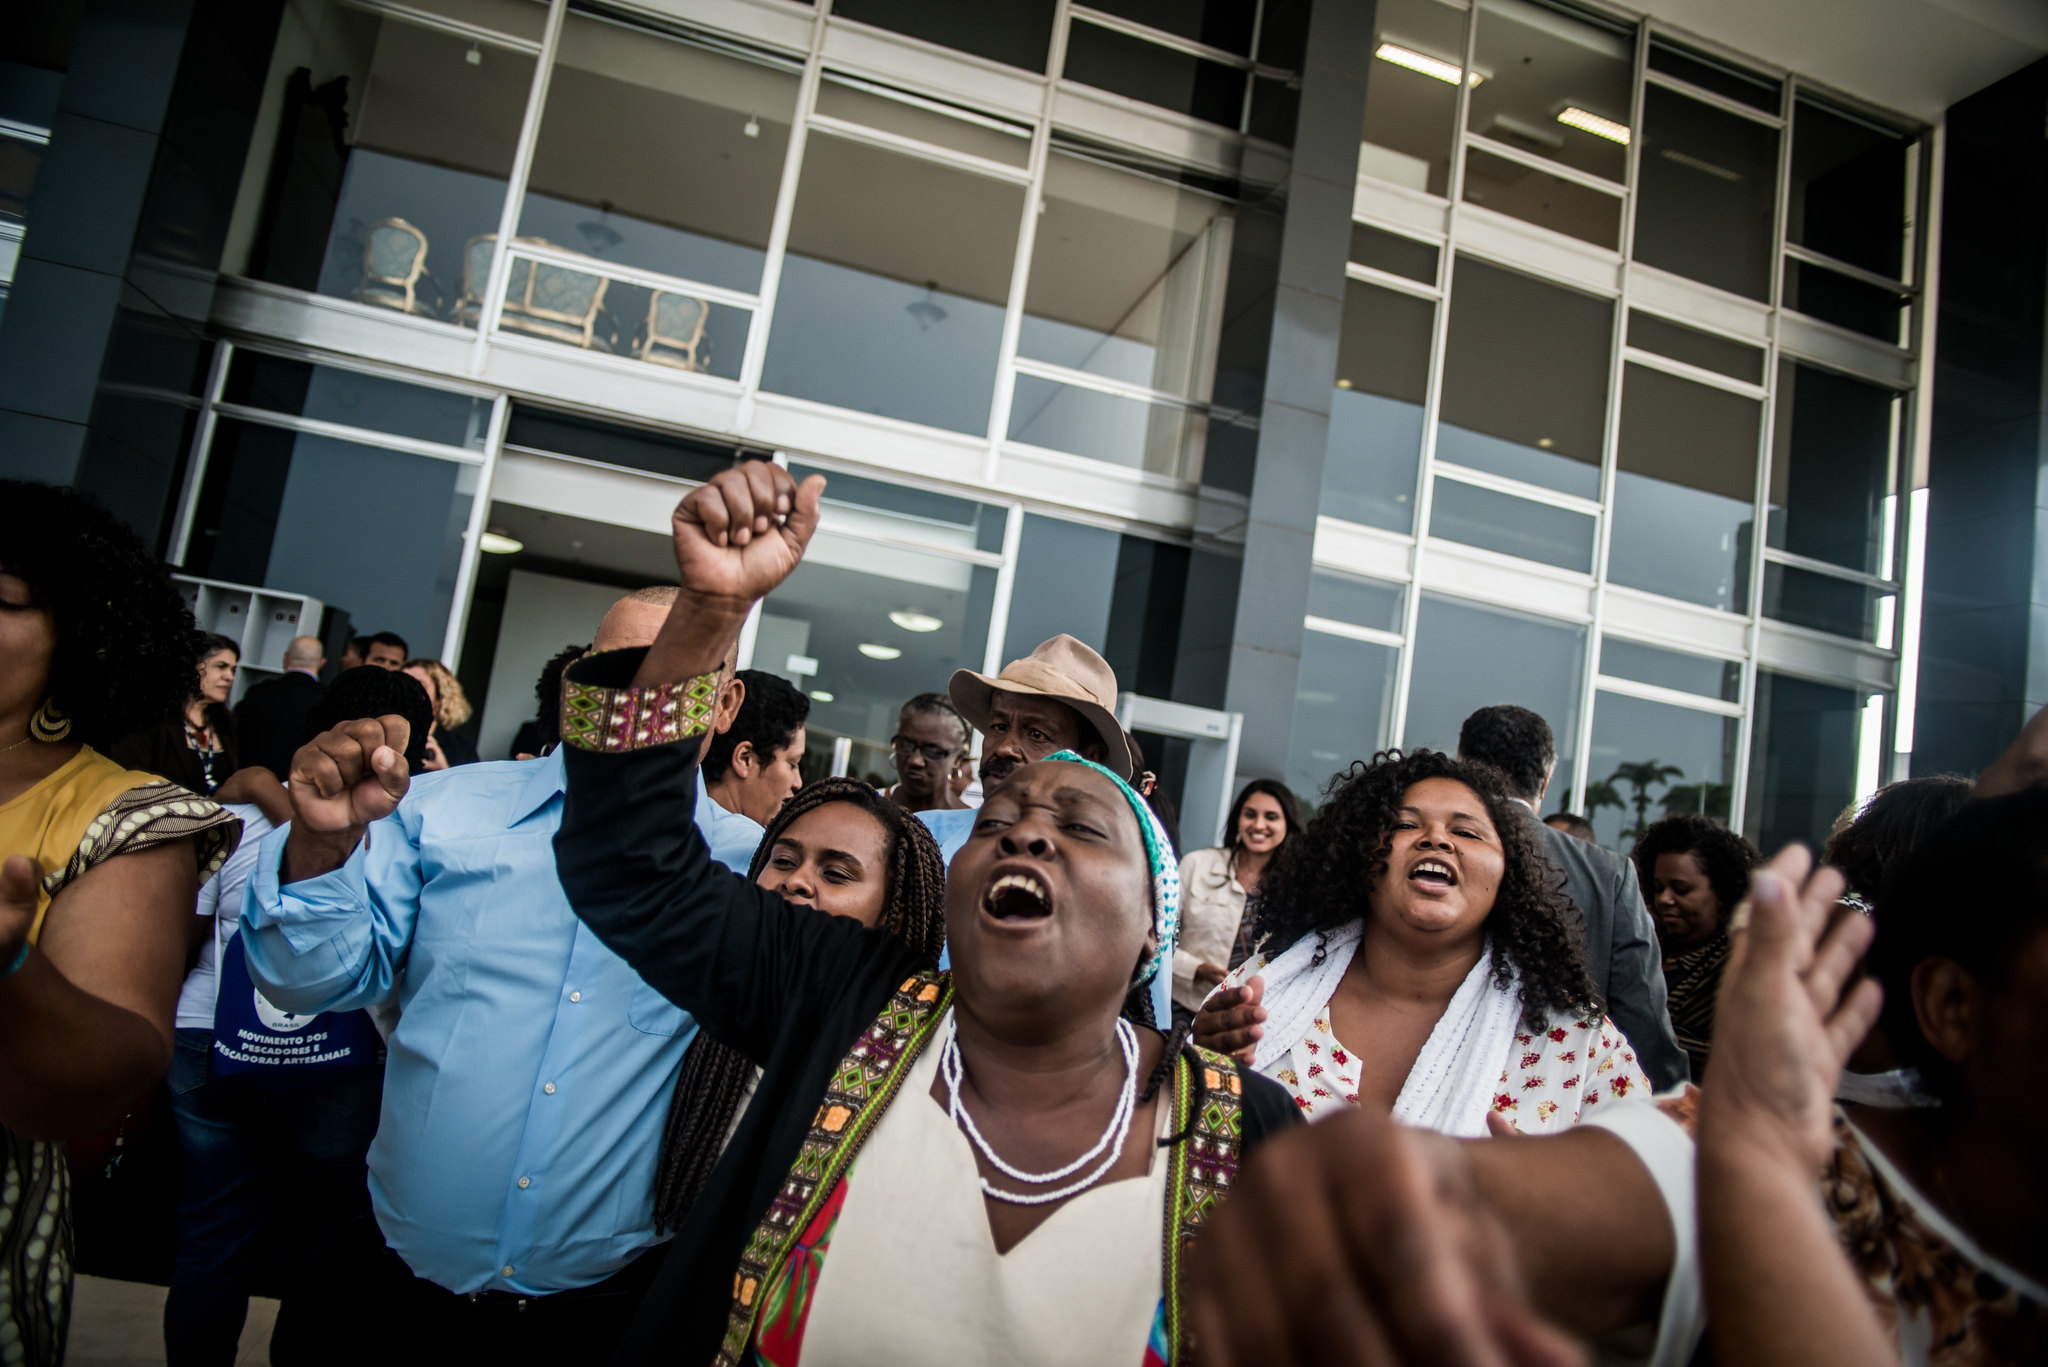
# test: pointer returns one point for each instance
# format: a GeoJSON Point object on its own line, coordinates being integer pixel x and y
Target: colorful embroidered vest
{"type": "Point", "coordinates": [776, 1266]}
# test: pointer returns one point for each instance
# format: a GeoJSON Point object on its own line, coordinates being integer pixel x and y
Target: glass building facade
{"type": "Point", "coordinates": [1625, 420]}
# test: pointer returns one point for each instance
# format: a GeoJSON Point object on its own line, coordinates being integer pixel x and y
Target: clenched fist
{"type": "Point", "coordinates": [342, 780]}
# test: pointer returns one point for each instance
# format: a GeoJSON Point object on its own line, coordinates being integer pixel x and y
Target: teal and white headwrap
{"type": "Point", "coordinates": [1158, 856]}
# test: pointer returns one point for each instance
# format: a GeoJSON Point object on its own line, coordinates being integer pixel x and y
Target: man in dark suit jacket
{"type": "Point", "coordinates": [1621, 940]}
{"type": "Point", "coordinates": [271, 714]}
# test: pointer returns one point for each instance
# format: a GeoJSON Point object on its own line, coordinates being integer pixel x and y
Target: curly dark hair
{"type": "Point", "coordinates": [714, 1076]}
{"type": "Point", "coordinates": [1324, 878]}
{"type": "Point", "coordinates": [1725, 857]}
{"type": "Point", "coordinates": [773, 710]}
{"type": "Point", "coordinates": [547, 691]}
{"type": "Point", "coordinates": [127, 653]}
{"type": "Point", "coordinates": [1515, 741]}
{"type": "Point", "coordinates": [1888, 825]}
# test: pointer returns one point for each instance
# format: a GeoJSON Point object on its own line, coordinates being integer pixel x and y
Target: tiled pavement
{"type": "Point", "coordinates": [121, 1324]}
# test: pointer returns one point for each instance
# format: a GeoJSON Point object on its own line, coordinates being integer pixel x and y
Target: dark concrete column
{"type": "Point", "coordinates": [1984, 627]}
{"type": "Point", "coordinates": [125, 228]}
{"type": "Point", "coordinates": [1264, 656]}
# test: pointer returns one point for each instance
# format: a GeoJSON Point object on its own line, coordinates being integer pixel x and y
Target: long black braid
{"type": "Point", "coordinates": [715, 1076]}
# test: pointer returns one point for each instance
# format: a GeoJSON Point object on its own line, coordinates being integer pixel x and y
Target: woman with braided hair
{"type": "Point", "coordinates": [843, 848]}
{"type": "Point", "coordinates": [1421, 956]}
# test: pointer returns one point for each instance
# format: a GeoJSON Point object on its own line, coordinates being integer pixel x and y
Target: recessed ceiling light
{"type": "Point", "coordinates": [1435, 67]}
{"type": "Point", "coordinates": [498, 543]}
{"type": "Point", "coordinates": [1588, 122]}
{"type": "Point", "coordinates": [916, 621]}
{"type": "Point", "coordinates": [875, 652]}
{"type": "Point", "coordinates": [820, 695]}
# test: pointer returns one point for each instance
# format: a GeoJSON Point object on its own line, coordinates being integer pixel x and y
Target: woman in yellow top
{"type": "Point", "coordinates": [102, 867]}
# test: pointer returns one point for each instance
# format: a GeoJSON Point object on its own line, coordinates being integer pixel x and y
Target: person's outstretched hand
{"type": "Point", "coordinates": [743, 532]}
{"type": "Point", "coordinates": [1782, 1026]}
{"type": "Point", "coordinates": [1355, 1241]}
{"type": "Point", "coordinates": [1229, 1021]}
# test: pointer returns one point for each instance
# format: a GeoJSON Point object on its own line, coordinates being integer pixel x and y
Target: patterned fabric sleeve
{"type": "Point", "coordinates": [148, 815]}
{"type": "Point", "coordinates": [615, 720]}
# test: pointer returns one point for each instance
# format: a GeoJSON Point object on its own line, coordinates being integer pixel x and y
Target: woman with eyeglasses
{"type": "Point", "coordinates": [929, 742]}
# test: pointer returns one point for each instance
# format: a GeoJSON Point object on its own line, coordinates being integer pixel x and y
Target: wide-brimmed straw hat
{"type": "Point", "coordinates": [1062, 669]}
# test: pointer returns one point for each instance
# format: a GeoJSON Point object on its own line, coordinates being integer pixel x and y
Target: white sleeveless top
{"type": "Point", "coordinates": [912, 1277]}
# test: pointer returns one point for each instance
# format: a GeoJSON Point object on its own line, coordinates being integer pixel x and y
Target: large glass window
{"type": "Point", "coordinates": [1848, 196]}
{"type": "Point", "coordinates": [1520, 190]}
{"type": "Point", "coordinates": [663, 157]}
{"type": "Point", "coordinates": [1554, 82]}
{"type": "Point", "coordinates": [391, 146]}
{"type": "Point", "coordinates": [1525, 379]}
{"type": "Point", "coordinates": [1833, 462]}
{"type": "Point", "coordinates": [1685, 490]}
{"type": "Point", "coordinates": [1842, 607]}
{"type": "Point", "coordinates": [1342, 708]}
{"type": "Point", "coordinates": [1110, 59]}
{"type": "Point", "coordinates": [1015, 34]}
{"type": "Point", "coordinates": [329, 394]}
{"type": "Point", "coordinates": [865, 626]}
{"type": "Point", "coordinates": [1706, 193]}
{"type": "Point", "coordinates": [1653, 759]}
{"type": "Point", "coordinates": [1724, 355]}
{"type": "Point", "coordinates": [1520, 527]}
{"type": "Point", "coordinates": [1411, 94]}
{"type": "Point", "coordinates": [892, 295]}
{"type": "Point", "coordinates": [1679, 669]}
{"type": "Point", "coordinates": [1806, 747]}
{"type": "Point", "coordinates": [1126, 287]}
{"type": "Point", "coordinates": [374, 532]}
{"type": "Point", "coordinates": [1459, 649]}
{"type": "Point", "coordinates": [1375, 437]}
{"type": "Point", "coordinates": [1711, 73]}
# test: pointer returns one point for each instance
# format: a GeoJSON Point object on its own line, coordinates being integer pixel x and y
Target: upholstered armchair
{"type": "Point", "coordinates": [395, 266]}
{"type": "Point", "coordinates": [674, 331]}
{"type": "Point", "coordinates": [543, 299]}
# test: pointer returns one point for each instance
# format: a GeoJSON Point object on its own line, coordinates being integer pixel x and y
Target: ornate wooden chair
{"type": "Point", "coordinates": [394, 268]}
{"type": "Point", "coordinates": [543, 299]}
{"type": "Point", "coordinates": [673, 334]}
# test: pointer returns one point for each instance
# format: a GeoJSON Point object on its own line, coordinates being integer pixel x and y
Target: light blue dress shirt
{"type": "Point", "coordinates": [529, 1076]}
{"type": "Point", "coordinates": [951, 829]}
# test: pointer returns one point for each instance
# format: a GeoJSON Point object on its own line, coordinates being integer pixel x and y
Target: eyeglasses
{"type": "Point", "coordinates": [934, 755]}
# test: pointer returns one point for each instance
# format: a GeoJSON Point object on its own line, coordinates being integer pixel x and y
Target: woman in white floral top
{"type": "Point", "coordinates": [1421, 956]}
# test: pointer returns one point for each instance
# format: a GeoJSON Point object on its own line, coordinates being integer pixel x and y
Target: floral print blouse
{"type": "Point", "coordinates": [1547, 1082]}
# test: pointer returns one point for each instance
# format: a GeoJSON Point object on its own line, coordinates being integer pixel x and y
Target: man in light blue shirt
{"type": "Point", "coordinates": [1062, 696]}
{"type": "Point", "coordinates": [531, 1071]}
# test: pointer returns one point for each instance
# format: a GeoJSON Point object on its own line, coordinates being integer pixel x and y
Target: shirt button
{"type": "Point", "coordinates": [525, 1182]}
{"type": "Point", "coordinates": [506, 1269]}
{"type": "Point", "coordinates": [549, 1088]}
{"type": "Point", "coordinates": [575, 996]}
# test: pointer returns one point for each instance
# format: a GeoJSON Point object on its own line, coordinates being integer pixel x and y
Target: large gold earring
{"type": "Point", "coordinates": [49, 725]}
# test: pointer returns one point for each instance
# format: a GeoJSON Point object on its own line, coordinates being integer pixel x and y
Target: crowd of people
{"type": "Point", "coordinates": [638, 1046]}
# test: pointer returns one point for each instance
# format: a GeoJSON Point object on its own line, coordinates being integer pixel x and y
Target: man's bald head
{"type": "Point", "coordinates": [636, 619]}
{"type": "Point", "coordinates": [304, 652]}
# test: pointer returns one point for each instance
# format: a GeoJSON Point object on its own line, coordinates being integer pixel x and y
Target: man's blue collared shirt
{"type": "Point", "coordinates": [529, 1077]}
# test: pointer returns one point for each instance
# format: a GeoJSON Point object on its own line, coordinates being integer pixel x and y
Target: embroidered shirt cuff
{"type": "Point", "coordinates": [615, 720]}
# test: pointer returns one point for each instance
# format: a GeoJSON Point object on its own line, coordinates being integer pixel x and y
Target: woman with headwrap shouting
{"type": "Point", "coordinates": [994, 1143]}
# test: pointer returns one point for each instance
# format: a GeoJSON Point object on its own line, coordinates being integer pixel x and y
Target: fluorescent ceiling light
{"type": "Point", "coordinates": [820, 695]}
{"type": "Point", "coordinates": [875, 652]}
{"type": "Point", "coordinates": [1699, 164]}
{"type": "Point", "coordinates": [1588, 122]}
{"type": "Point", "coordinates": [916, 621]}
{"type": "Point", "coordinates": [497, 543]}
{"type": "Point", "coordinates": [1434, 67]}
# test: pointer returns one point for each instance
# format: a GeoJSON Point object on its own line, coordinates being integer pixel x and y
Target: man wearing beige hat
{"type": "Point", "coordinates": [1062, 696]}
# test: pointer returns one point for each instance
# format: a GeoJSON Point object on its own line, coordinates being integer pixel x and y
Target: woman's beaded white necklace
{"type": "Point", "coordinates": [1112, 1138]}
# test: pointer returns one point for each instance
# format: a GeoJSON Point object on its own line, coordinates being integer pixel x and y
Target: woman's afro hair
{"type": "Point", "coordinates": [1725, 857]}
{"type": "Point", "coordinates": [127, 654]}
{"type": "Point", "coordinates": [1324, 878]}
